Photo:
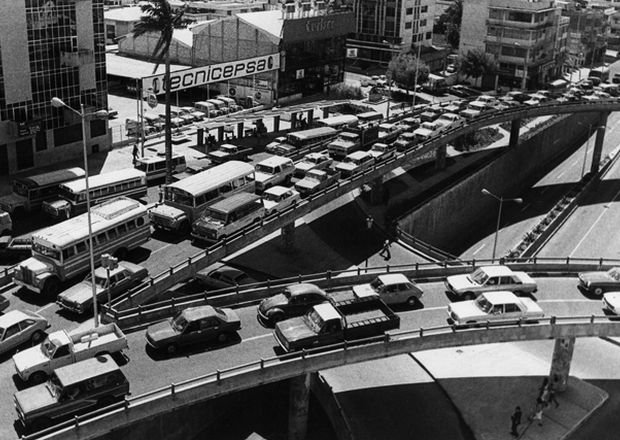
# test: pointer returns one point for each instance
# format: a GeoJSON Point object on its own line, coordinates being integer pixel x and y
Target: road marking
{"type": "Point", "coordinates": [525, 207]}
{"type": "Point", "coordinates": [253, 338]}
{"type": "Point", "coordinates": [560, 175]}
{"type": "Point", "coordinates": [593, 224]}
{"type": "Point", "coordinates": [161, 248]}
{"type": "Point", "coordinates": [479, 249]}
{"type": "Point", "coordinates": [565, 300]}
{"type": "Point", "coordinates": [46, 307]}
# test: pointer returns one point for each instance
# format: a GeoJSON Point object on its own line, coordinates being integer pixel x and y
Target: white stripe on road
{"type": "Point", "coordinates": [253, 338]}
{"type": "Point", "coordinates": [479, 249]}
{"type": "Point", "coordinates": [593, 224]}
{"type": "Point", "coordinates": [46, 307]}
{"type": "Point", "coordinates": [525, 207]}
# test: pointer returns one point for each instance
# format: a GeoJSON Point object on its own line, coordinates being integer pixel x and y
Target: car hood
{"type": "Point", "coordinates": [273, 302]}
{"type": "Point", "coordinates": [305, 166]}
{"type": "Point", "coordinates": [35, 398]}
{"type": "Point", "coordinates": [594, 277]}
{"type": "Point", "coordinates": [219, 153]}
{"type": "Point", "coordinates": [35, 265]}
{"type": "Point", "coordinates": [231, 316]}
{"type": "Point", "coordinates": [29, 358]}
{"type": "Point", "coordinates": [465, 310]}
{"type": "Point", "coordinates": [347, 166]}
{"type": "Point", "coordinates": [364, 291]}
{"type": "Point", "coordinates": [259, 176]}
{"type": "Point", "coordinates": [307, 183]}
{"type": "Point", "coordinates": [167, 211]}
{"type": "Point", "coordinates": [459, 282]}
{"type": "Point", "coordinates": [160, 332]}
{"type": "Point", "coordinates": [80, 293]}
{"type": "Point", "coordinates": [295, 329]}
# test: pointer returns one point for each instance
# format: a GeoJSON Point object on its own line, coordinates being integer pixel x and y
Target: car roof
{"type": "Point", "coordinates": [358, 154]}
{"type": "Point", "coordinates": [302, 288]}
{"type": "Point", "coordinates": [277, 190]}
{"type": "Point", "coordinates": [195, 313]}
{"type": "Point", "coordinates": [86, 369]}
{"type": "Point", "coordinates": [500, 296]}
{"type": "Point", "coordinates": [393, 278]}
{"type": "Point", "coordinates": [122, 265]}
{"type": "Point", "coordinates": [327, 311]}
{"type": "Point", "coordinates": [497, 270]}
{"type": "Point", "coordinates": [275, 160]}
{"type": "Point", "coordinates": [13, 317]}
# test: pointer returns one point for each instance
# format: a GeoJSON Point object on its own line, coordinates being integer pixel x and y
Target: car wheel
{"type": "Point", "coordinates": [51, 287]}
{"type": "Point", "coordinates": [171, 349]}
{"type": "Point", "coordinates": [36, 337]}
{"type": "Point", "coordinates": [469, 295]}
{"type": "Point", "coordinates": [38, 377]}
{"type": "Point", "coordinates": [412, 301]}
{"type": "Point", "coordinates": [598, 291]}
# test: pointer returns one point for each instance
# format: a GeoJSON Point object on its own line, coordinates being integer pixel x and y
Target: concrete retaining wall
{"type": "Point", "coordinates": [457, 210]}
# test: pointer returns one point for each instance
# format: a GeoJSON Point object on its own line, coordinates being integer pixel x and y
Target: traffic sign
{"type": "Point", "coordinates": [258, 95]}
{"type": "Point", "coordinates": [152, 100]}
{"type": "Point", "coordinates": [232, 91]}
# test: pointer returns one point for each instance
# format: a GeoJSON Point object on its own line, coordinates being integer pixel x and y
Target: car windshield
{"type": "Point", "coordinates": [99, 281]}
{"type": "Point", "coordinates": [377, 285]}
{"type": "Point", "coordinates": [48, 348]}
{"type": "Point", "coordinates": [215, 215]}
{"type": "Point", "coordinates": [271, 197]}
{"type": "Point", "coordinates": [483, 304]}
{"type": "Point", "coordinates": [220, 313]}
{"type": "Point", "coordinates": [265, 169]}
{"type": "Point", "coordinates": [314, 321]}
{"type": "Point", "coordinates": [179, 323]}
{"type": "Point", "coordinates": [614, 273]}
{"type": "Point", "coordinates": [479, 276]}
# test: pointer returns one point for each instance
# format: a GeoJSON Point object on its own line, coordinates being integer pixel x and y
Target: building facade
{"type": "Point", "coordinates": [385, 28]}
{"type": "Point", "coordinates": [526, 38]}
{"type": "Point", "coordinates": [61, 47]}
{"type": "Point", "coordinates": [588, 30]}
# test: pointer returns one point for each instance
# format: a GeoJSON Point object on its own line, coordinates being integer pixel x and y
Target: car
{"type": "Point", "coordinates": [393, 288]}
{"type": "Point", "coordinates": [490, 278]}
{"type": "Point", "coordinates": [312, 161]}
{"type": "Point", "coordinates": [277, 141]}
{"type": "Point", "coordinates": [223, 277]}
{"type": "Point", "coordinates": [450, 68]}
{"type": "Point", "coordinates": [611, 302]}
{"type": "Point", "coordinates": [20, 327]}
{"type": "Point", "coordinates": [278, 198]}
{"type": "Point", "coordinates": [79, 298]}
{"type": "Point", "coordinates": [280, 149]}
{"type": "Point", "coordinates": [294, 300]}
{"type": "Point", "coordinates": [191, 326]}
{"type": "Point", "coordinates": [599, 282]}
{"type": "Point", "coordinates": [489, 307]}
{"type": "Point", "coordinates": [380, 151]}
{"type": "Point", "coordinates": [112, 113]}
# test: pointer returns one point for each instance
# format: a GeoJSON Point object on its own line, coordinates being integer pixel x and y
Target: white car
{"type": "Point", "coordinates": [494, 306]}
{"type": "Point", "coordinates": [278, 198]}
{"type": "Point", "coordinates": [490, 278]}
{"type": "Point", "coordinates": [611, 302]}
{"type": "Point", "coordinates": [392, 289]}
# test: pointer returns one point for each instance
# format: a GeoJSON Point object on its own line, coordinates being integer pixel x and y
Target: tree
{"type": "Point", "coordinates": [477, 63]}
{"type": "Point", "coordinates": [159, 18]}
{"type": "Point", "coordinates": [404, 68]}
{"type": "Point", "coordinates": [449, 23]}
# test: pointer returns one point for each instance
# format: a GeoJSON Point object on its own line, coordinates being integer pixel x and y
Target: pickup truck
{"type": "Point", "coordinates": [494, 306]}
{"type": "Point", "coordinates": [228, 152]}
{"type": "Point", "coordinates": [61, 348]}
{"type": "Point", "coordinates": [327, 324]}
{"type": "Point", "coordinates": [490, 278]}
{"type": "Point", "coordinates": [316, 180]}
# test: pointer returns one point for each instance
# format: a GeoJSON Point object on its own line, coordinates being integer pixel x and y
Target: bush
{"type": "Point", "coordinates": [344, 91]}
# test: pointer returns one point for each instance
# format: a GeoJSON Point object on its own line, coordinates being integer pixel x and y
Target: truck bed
{"type": "Point", "coordinates": [101, 340]}
{"type": "Point", "coordinates": [364, 318]}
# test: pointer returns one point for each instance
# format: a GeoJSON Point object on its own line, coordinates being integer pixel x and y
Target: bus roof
{"type": "Point", "coordinates": [53, 177]}
{"type": "Point", "coordinates": [92, 367]}
{"type": "Point", "coordinates": [338, 120]}
{"type": "Point", "coordinates": [207, 180]}
{"type": "Point", "coordinates": [103, 179]}
{"type": "Point", "coordinates": [304, 134]}
{"type": "Point", "coordinates": [114, 210]}
{"type": "Point", "coordinates": [371, 114]}
{"type": "Point", "coordinates": [155, 158]}
{"type": "Point", "coordinates": [233, 201]}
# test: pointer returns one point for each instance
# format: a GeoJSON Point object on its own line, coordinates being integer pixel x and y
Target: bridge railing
{"type": "Point", "coordinates": [263, 371]}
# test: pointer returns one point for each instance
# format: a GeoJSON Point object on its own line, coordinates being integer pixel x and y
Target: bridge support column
{"type": "Point", "coordinates": [515, 126]}
{"type": "Point", "coordinates": [288, 235]}
{"type": "Point", "coordinates": [440, 157]}
{"type": "Point", "coordinates": [239, 130]}
{"type": "Point", "coordinates": [293, 120]}
{"type": "Point", "coordinates": [276, 123]}
{"type": "Point", "coordinates": [377, 190]}
{"type": "Point", "coordinates": [598, 143]}
{"type": "Point", "coordinates": [310, 117]}
{"type": "Point", "coordinates": [560, 363]}
{"type": "Point", "coordinates": [325, 112]}
{"type": "Point", "coordinates": [299, 400]}
{"type": "Point", "coordinates": [220, 134]}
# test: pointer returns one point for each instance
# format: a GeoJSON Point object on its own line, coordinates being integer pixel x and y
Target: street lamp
{"type": "Point", "coordinates": [524, 79]}
{"type": "Point", "coordinates": [58, 103]}
{"type": "Point", "coordinates": [417, 72]}
{"type": "Point", "coordinates": [501, 200]}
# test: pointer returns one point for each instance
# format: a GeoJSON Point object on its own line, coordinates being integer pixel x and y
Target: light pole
{"type": "Point", "coordinates": [524, 79]}
{"type": "Point", "coordinates": [57, 102]}
{"type": "Point", "coordinates": [417, 72]}
{"type": "Point", "coordinates": [501, 200]}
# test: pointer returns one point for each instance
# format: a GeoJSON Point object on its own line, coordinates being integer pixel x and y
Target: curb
{"type": "Point", "coordinates": [587, 416]}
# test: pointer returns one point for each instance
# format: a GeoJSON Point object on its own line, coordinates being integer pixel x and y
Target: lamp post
{"type": "Point", "coordinates": [501, 200]}
{"type": "Point", "coordinates": [417, 72]}
{"type": "Point", "coordinates": [524, 79]}
{"type": "Point", "coordinates": [58, 103]}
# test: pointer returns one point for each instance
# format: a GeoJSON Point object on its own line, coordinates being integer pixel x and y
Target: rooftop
{"type": "Point", "coordinates": [127, 67]}
{"type": "Point", "coordinates": [129, 14]}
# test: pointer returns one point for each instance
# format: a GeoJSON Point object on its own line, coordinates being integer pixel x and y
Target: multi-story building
{"type": "Point", "coordinates": [50, 49]}
{"type": "Point", "coordinates": [526, 37]}
{"type": "Point", "coordinates": [588, 30]}
{"type": "Point", "coordinates": [385, 28]}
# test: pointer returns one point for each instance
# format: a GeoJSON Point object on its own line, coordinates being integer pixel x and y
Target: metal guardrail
{"type": "Point", "coordinates": [263, 371]}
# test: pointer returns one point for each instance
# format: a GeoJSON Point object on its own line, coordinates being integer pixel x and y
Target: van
{"type": "Point", "coordinates": [228, 216]}
{"type": "Point", "coordinates": [272, 171]}
{"type": "Point", "coordinates": [155, 166]}
{"type": "Point", "coordinates": [355, 162]}
{"type": "Point", "coordinates": [345, 144]}
{"type": "Point", "coordinates": [71, 390]}
{"type": "Point", "coordinates": [6, 224]}
{"type": "Point", "coordinates": [207, 107]}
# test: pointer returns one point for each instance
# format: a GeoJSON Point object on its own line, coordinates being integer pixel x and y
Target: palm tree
{"type": "Point", "coordinates": [159, 18]}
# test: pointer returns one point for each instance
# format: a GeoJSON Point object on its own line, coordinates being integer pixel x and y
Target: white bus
{"type": "Point", "coordinates": [185, 200]}
{"type": "Point", "coordinates": [60, 252]}
{"type": "Point", "coordinates": [155, 166]}
{"type": "Point", "coordinates": [128, 182]}
{"type": "Point", "coordinates": [312, 137]}
{"type": "Point", "coordinates": [30, 192]}
{"type": "Point", "coordinates": [339, 122]}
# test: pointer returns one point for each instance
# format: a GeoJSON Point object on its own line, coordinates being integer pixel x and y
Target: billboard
{"type": "Point", "coordinates": [197, 76]}
{"type": "Point", "coordinates": [335, 24]}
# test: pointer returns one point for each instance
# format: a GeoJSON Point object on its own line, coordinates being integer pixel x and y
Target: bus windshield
{"type": "Point", "coordinates": [20, 188]}
{"type": "Point", "coordinates": [46, 251]}
{"type": "Point", "coordinates": [180, 197]}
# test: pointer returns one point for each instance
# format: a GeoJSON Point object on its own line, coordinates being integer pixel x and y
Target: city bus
{"type": "Point", "coordinates": [601, 74]}
{"type": "Point", "coordinates": [155, 166]}
{"type": "Point", "coordinates": [30, 192]}
{"type": "Point", "coordinates": [369, 117]}
{"type": "Point", "coordinates": [339, 122]}
{"type": "Point", "coordinates": [61, 252]}
{"type": "Point", "coordinates": [185, 200]}
{"type": "Point", "coordinates": [128, 182]}
{"type": "Point", "coordinates": [312, 137]}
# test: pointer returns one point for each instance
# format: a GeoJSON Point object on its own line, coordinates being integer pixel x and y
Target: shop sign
{"type": "Point", "coordinates": [28, 128]}
{"type": "Point", "coordinates": [299, 74]}
{"type": "Point", "coordinates": [318, 28]}
{"type": "Point", "coordinates": [188, 78]}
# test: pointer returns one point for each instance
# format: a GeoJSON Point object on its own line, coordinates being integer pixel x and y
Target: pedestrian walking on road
{"type": "Point", "coordinates": [161, 194]}
{"type": "Point", "coordinates": [552, 397]}
{"type": "Point", "coordinates": [369, 222]}
{"type": "Point", "coordinates": [538, 413]}
{"type": "Point", "coordinates": [515, 421]}
{"type": "Point", "coordinates": [135, 154]}
{"type": "Point", "coordinates": [385, 250]}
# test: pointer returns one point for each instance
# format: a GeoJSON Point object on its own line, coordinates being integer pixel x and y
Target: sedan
{"type": "Point", "coordinates": [19, 327]}
{"type": "Point", "coordinates": [278, 198]}
{"type": "Point", "coordinates": [611, 302]}
{"type": "Point", "coordinates": [294, 300]}
{"type": "Point", "coordinates": [599, 282]}
{"type": "Point", "coordinates": [223, 277]}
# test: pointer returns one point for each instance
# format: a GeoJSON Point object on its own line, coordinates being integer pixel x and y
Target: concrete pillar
{"type": "Point", "coordinates": [310, 117]}
{"type": "Point", "coordinates": [440, 157]}
{"type": "Point", "coordinates": [239, 130]}
{"type": "Point", "coordinates": [377, 191]}
{"type": "Point", "coordinates": [299, 401]}
{"type": "Point", "coordinates": [325, 112]}
{"type": "Point", "coordinates": [201, 137]}
{"type": "Point", "coordinates": [220, 134]}
{"type": "Point", "coordinates": [560, 363]}
{"type": "Point", "coordinates": [276, 123]}
{"type": "Point", "coordinates": [515, 126]}
{"type": "Point", "coordinates": [293, 120]}
{"type": "Point", "coordinates": [598, 143]}
{"type": "Point", "coordinates": [288, 235]}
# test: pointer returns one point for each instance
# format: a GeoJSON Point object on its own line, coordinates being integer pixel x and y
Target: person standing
{"type": "Point", "coordinates": [515, 421]}
{"type": "Point", "coordinates": [385, 250]}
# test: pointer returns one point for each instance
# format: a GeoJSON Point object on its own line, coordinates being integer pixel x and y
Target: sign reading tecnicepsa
{"type": "Point", "coordinates": [185, 79]}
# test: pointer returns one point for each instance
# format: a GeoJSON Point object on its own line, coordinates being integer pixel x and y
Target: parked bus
{"type": "Point", "coordinates": [312, 137]}
{"type": "Point", "coordinates": [185, 200]}
{"type": "Point", "coordinates": [339, 122]}
{"type": "Point", "coordinates": [435, 84]}
{"type": "Point", "coordinates": [370, 117]}
{"type": "Point", "coordinates": [557, 87]}
{"type": "Point", "coordinates": [61, 252]}
{"type": "Point", "coordinates": [128, 182]}
{"type": "Point", "coordinates": [602, 73]}
{"type": "Point", "coordinates": [155, 166]}
{"type": "Point", "coordinates": [30, 192]}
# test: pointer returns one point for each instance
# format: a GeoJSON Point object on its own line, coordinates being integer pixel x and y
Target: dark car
{"type": "Point", "coordinates": [294, 300]}
{"type": "Point", "coordinates": [223, 277]}
{"type": "Point", "coordinates": [193, 325]}
{"type": "Point", "coordinates": [601, 281]}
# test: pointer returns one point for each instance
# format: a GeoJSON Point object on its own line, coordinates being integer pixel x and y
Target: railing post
{"type": "Point", "coordinates": [218, 376]}
{"type": "Point", "coordinates": [552, 320]}
{"type": "Point", "coordinates": [567, 260]}
{"type": "Point", "coordinates": [170, 271]}
{"type": "Point", "coordinates": [591, 319]}
{"type": "Point", "coordinates": [189, 260]}
{"type": "Point", "coordinates": [76, 421]}
{"type": "Point", "coordinates": [421, 332]}
{"type": "Point", "coordinates": [600, 261]}
{"type": "Point", "coordinates": [262, 363]}
{"type": "Point", "coordinates": [173, 391]}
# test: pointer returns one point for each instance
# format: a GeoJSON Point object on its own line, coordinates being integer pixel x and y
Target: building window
{"type": "Point", "coordinates": [40, 140]}
{"type": "Point", "coordinates": [424, 9]}
{"type": "Point", "coordinates": [408, 25]}
{"type": "Point", "coordinates": [422, 23]}
{"type": "Point", "coordinates": [409, 11]}
{"type": "Point", "coordinates": [429, 35]}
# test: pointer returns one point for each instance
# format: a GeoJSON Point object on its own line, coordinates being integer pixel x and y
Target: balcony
{"type": "Point", "coordinates": [77, 58]}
